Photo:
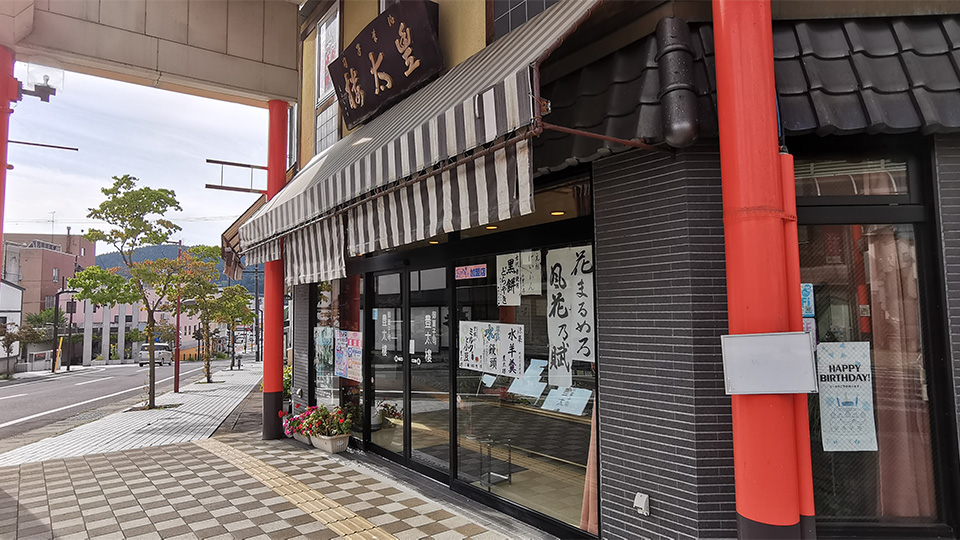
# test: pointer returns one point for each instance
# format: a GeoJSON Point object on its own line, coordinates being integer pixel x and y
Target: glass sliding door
{"type": "Point", "coordinates": [429, 368]}
{"type": "Point", "coordinates": [387, 363]}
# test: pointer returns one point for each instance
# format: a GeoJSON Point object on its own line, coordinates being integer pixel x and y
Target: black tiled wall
{"type": "Point", "coordinates": [665, 426]}
{"type": "Point", "coordinates": [947, 154]}
{"type": "Point", "coordinates": [301, 345]}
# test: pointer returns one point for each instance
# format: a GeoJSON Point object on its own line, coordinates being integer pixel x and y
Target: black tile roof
{"type": "Point", "coordinates": [834, 77]}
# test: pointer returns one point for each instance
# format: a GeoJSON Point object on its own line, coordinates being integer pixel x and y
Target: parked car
{"type": "Point", "coordinates": [162, 354]}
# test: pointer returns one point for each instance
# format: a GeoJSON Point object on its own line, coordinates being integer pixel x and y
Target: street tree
{"type": "Point", "coordinates": [198, 290]}
{"type": "Point", "coordinates": [135, 216]}
{"type": "Point", "coordinates": [233, 308]}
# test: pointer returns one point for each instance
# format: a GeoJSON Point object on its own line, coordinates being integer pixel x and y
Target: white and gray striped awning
{"type": "Point", "coordinates": [480, 102]}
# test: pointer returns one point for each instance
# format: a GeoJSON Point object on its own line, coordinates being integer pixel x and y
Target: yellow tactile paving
{"type": "Point", "coordinates": [325, 510]}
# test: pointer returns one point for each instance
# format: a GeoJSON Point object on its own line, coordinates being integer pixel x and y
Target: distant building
{"type": "Point", "coordinates": [39, 262]}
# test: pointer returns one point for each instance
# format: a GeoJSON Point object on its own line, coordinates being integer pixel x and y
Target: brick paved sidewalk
{"type": "Point", "coordinates": [231, 486]}
{"type": "Point", "coordinates": [201, 408]}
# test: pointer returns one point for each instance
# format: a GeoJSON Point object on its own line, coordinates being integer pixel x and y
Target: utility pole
{"type": "Point", "coordinates": [176, 354]}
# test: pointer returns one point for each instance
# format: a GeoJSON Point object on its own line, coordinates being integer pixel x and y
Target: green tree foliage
{"type": "Point", "coordinates": [198, 290]}
{"type": "Point", "coordinates": [135, 216]}
{"type": "Point", "coordinates": [45, 317]}
{"type": "Point", "coordinates": [233, 308]}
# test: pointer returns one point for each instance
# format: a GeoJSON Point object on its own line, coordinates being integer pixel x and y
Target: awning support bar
{"type": "Point", "coordinates": [625, 142]}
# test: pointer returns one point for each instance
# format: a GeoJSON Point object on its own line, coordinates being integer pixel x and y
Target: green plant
{"type": "Point", "coordinates": [287, 381]}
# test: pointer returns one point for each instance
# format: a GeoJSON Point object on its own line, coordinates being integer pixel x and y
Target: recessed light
{"type": "Point", "coordinates": [491, 227]}
{"type": "Point", "coordinates": [557, 213]}
{"type": "Point", "coordinates": [434, 242]}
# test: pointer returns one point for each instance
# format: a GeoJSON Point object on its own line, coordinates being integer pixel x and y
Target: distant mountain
{"type": "Point", "coordinates": [152, 253]}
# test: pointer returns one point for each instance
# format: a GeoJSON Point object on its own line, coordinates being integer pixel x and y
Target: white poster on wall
{"type": "Point", "coordinates": [508, 279]}
{"type": "Point", "coordinates": [530, 272]}
{"type": "Point", "coordinates": [471, 346]}
{"type": "Point", "coordinates": [845, 379]}
{"type": "Point", "coordinates": [570, 305]}
{"type": "Point", "coordinates": [567, 400]}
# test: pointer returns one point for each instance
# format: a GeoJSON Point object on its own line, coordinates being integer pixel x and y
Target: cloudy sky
{"type": "Point", "coordinates": [162, 138]}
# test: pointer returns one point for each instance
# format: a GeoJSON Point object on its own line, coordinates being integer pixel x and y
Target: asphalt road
{"type": "Point", "coordinates": [29, 402]}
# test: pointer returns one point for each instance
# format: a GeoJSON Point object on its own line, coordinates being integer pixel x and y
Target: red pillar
{"type": "Point", "coordinates": [765, 442]}
{"type": "Point", "coordinates": [273, 283]}
{"type": "Point", "coordinates": [8, 93]}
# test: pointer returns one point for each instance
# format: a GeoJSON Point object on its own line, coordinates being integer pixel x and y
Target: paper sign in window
{"type": "Point", "coordinates": [508, 279]}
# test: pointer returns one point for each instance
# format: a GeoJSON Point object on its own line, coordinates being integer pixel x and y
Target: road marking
{"type": "Point", "coordinates": [93, 381]}
{"type": "Point", "coordinates": [13, 396]}
{"type": "Point", "coordinates": [72, 405]}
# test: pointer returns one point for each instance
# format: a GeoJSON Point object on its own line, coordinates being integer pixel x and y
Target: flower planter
{"type": "Point", "coordinates": [305, 439]}
{"type": "Point", "coordinates": [332, 445]}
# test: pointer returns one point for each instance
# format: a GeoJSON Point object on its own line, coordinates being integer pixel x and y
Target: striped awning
{"type": "Point", "coordinates": [471, 125]}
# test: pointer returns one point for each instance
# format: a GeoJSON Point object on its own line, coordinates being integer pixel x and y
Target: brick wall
{"type": "Point", "coordinates": [947, 175]}
{"type": "Point", "coordinates": [302, 347]}
{"type": "Point", "coordinates": [665, 427]}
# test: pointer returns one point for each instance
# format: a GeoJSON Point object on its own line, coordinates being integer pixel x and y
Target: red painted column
{"type": "Point", "coordinates": [764, 432]}
{"type": "Point", "coordinates": [791, 240]}
{"type": "Point", "coordinates": [8, 93]}
{"type": "Point", "coordinates": [273, 283]}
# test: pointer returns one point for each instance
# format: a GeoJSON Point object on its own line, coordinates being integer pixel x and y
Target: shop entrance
{"type": "Point", "coordinates": [410, 366]}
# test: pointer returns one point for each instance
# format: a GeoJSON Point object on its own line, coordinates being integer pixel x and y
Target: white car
{"type": "Point", "coordinates": [162, 354]}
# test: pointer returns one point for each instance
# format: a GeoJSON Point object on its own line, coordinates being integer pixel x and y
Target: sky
{"type": "Point", "coordinates": [163, 138]}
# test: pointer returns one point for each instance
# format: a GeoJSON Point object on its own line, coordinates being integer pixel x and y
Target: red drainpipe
{"type": "Point", "coordinates": [8, 93]}
{"type": "Point", "coordinates": [273, 283]}
{"type": "Point", "coordinates": [765, 430]}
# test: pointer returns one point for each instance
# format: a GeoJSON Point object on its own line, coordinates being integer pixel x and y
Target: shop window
{"type": "Point", "coordinates": [871, 430]}
{"type": "Point", "coordinates": [510, 14]}
{"type": "Point", "coordinates": [851, 178]}
{"type": "Point", "coordinates": [527, 380]}
{"type": "Point", "coordinates": [326, 112]}
{"type": "Point", "coordinates": [338, 319]}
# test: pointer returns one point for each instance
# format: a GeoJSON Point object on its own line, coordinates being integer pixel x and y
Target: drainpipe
{"type": "Point", "coordinates": [273, 283]}
{"type": "Point", "coordinates": [765, 430]}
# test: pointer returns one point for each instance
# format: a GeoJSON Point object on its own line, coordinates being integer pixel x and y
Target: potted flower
{"type": "Point", "coordinates": [293, 425]}
{"type": "Point", "coordinates": [330, 430]}
{"type": "Point", "coordinates": [391, 413]}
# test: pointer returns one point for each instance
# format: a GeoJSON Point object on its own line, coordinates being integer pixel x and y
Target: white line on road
{"type": "Point", "coordinates": [38, 415]}
{"type": "Point", "coordinates": [93, 381]}
{"type": "Point", "coordinates": [13, 396]}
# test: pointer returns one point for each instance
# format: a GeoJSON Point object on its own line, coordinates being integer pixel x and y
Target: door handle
{"type": "Point", "coordinates": [397, 358]}
{"type": "Point", "coordinates": [415, 361]}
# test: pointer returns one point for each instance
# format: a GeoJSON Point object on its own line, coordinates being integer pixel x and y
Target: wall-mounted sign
{"type": "Point", "coordinates": [470, 272]}
{"type": "Point", "coordinates": [394, 55]}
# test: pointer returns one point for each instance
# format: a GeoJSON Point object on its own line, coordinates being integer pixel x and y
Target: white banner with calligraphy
{"type": "Point", "coordinates": [530, 272]}
{"type": "Point", "coordinates": [511, 350]}
{"type": "Point", "coordinates": [471, 346]}
{"type": "Point", "coordinates": [570, 311]}
{"type": "Point", "coordinates": [508, 279]}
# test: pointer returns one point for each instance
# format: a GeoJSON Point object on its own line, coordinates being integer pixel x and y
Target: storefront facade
{"type": "Point", "coordinates": [535, 319]}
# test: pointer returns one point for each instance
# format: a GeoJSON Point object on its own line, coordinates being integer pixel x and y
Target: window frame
{"type": "Point", "coordinates": [918, 209]}
{"type": "Point", "coordinates": [328, 99]}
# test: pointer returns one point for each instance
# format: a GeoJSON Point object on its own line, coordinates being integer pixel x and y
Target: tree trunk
{"type": "Point", "coordinates": [151, 347]}
{"type": "Point", "coordinates": [206, 351]}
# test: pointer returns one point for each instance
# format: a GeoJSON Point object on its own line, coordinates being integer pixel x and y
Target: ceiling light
{"type": "Point", "coordinates": [491, 227]}
{"type": "Point", "coordinates": [557, 213]}
{"type": "Point", "coordinates": [434, 242]}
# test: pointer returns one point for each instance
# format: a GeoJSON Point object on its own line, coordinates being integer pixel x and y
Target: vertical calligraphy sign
{"type": "Point", "coordinates": [583, 343]}
{"type": "Point", "coordinates": [530, 273]}
{"type": "Point", "coordinates": [559, 363]}
{"type": "Point", "coordinates": [508, 279]}
{"type": "Point", "coordinates": [471, 346]}
{"type": "Point", "coordinates": [570, 311]}
{"type": "Point", "coordinates": [511, 350]}
{"type": "Point", "coordinates": [491, 348]}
